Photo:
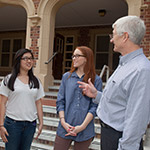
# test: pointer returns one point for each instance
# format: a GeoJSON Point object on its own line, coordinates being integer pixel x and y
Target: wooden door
{"type": "Point", "coordinates": [58, 59]}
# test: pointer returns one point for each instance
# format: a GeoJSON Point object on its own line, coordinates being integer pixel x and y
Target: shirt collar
{"type": "Point", "coordinates": [75, 75]}
{"type": "Point", "coordinates": [126, 58]}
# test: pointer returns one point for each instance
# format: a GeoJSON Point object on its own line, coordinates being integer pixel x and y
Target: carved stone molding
{"type": "Point", "coordinates": [34, 19]}
{"type": "Point", "coordinates": [145, 6]}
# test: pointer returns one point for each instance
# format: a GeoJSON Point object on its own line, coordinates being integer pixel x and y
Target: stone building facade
{"type": "Point", "coordinates": [40, 31]}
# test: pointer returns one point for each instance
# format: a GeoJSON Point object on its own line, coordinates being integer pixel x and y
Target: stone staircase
{"type": "Point", "coordinates": [47, 137]}
{"type": "Point", "coordinates": [51, 120]}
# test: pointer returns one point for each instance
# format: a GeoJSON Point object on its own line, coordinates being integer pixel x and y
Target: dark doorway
{"type": "Point", "coordinates": [58, 59]}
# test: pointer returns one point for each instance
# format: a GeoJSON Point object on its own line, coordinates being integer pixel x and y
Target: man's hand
{"type": "Point", "coordinates": [88, 88]}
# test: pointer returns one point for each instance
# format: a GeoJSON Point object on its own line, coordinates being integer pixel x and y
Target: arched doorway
{"type": "Point", "coordinates": [12, 35]}
{"type": "Point", "coordinates": [81, 23]}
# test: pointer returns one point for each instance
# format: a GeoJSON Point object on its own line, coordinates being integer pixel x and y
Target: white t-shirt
{"type": "Point", "coordinates": [21, 102]}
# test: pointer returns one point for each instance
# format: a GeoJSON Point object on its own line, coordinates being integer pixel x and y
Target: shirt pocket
{"type": "Point", "coordinates": [111, 91]}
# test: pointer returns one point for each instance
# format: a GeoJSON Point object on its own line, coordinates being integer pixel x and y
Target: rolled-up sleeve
{"type": "Point", "coordinates": [98, 97]}
{"type": "Point", "coordinates": [60, 103]}
{"type": "Point", "coordinates": [93, 105]}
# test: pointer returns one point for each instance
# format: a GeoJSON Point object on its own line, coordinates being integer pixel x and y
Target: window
{"type": "Point", "coordinates": [8, 50]}
{"type": "Point", "coordinates": [102, 51]}
{"type": "Point", "coordinates": [68, 50]}
{"type": "Point", "coordinates": [104, 54]}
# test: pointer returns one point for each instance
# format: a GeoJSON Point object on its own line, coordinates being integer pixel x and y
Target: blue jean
{"type": "Point", "coordinates": [21, 134]}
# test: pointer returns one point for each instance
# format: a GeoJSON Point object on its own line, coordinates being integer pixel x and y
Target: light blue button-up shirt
{"type": "Point", "coordinates": [76, 106]}
{"type": "Point", "coordinates": [125, 101]}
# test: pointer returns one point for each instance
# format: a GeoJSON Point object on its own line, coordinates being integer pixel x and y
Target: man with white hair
{"type": "Point", "coordinates": [124, 105]}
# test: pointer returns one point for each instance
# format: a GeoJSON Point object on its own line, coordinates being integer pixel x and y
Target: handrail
{"type": "Point", "coordinates": [50, 59]}
{"type": "Point", "coordinates": [105, 67]}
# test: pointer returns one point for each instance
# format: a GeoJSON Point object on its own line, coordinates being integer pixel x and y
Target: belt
{"type": "Point", "coordinates": [105, 125]}
{"type": "Point", "coordinates": [34, 121]}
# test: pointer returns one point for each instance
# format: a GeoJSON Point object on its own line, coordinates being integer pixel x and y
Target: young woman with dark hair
{"type": "Point", "coordinates": [77, 111]}
{"type": "Point", "coordinates": [21, 94]}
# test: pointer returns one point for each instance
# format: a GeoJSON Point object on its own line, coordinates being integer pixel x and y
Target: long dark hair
{"type": "Point", "coordinates": [33, 81]}
{"type": "Point", "coordinates": [89, 68]}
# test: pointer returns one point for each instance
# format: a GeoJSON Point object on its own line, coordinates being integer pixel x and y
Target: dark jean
{"type": "Point", "coordinates": [21, 134]}
{"type": "Point", "coordinates": [110, 139]}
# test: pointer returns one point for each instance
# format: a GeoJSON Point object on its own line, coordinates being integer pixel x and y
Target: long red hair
{"type": "Point", "coordinates": [89, 68]}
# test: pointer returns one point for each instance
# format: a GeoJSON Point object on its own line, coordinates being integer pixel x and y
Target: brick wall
{"type": "Point", "coordinates": [145, 15]}
{"type": "Point", "coordinates": [35, 33]}
{"type": "Point", "coordinates": [84, 37]}
{"type": "Point", "coordinates": [36, 3]}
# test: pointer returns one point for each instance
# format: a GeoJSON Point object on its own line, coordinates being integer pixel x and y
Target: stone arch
{"type": "Point", "coordinates": [44, 6]}
{"type": "Point", "coordinates": [30, 10]}
{"type": "Point", "coordinates": [28, 5]}
{"type": "Point", "coordinates": [47, 11]}
{"type": "Point", "coordinates": [134, 7]}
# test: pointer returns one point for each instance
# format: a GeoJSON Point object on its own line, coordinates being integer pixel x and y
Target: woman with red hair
{"type": "Point", "coordinates": [77, 111]}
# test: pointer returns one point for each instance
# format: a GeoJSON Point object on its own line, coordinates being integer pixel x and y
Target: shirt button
{"type": "Point", "coordinates": [77, 104]}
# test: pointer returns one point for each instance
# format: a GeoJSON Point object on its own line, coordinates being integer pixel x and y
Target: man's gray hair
{"type": "Point", "coordinates": [133, 25]}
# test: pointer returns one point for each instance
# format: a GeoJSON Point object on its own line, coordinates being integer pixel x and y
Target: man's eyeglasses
{"type": "Point", "coordinates": [27, 58]}
{"type": "Point", "coordinates": [77, 56]}
{"type": "Point", "coordinates": [111, 36]}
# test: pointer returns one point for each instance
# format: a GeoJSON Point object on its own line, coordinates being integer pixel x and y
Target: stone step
{"type": "Point", "coordinates": [49, 137]}
{"type": "Point", "coordinates": [39, 146]}
{"type": "Point", "coordinates": [51, 95]}
{"type": "Point", "coordinates": [54, 88]}
{"type": "Point", "coordinates": [52, 124]}
{"type": "Point", "coordinates": [50, 111]}
{"type": "Point", "coordinates": [34, 146]}
{"type": "Point", "coordinates": [46, 142]}
{"type": "Point", "coordinates": [51, 120]}
{"type": "Point", "coordinates": [57, 82]}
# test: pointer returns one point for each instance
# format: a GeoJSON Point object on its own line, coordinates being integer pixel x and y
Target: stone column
{"type": "Point", "coordinates": [44, 29]}
{"type": "Point", "coordinates": [134, 7]}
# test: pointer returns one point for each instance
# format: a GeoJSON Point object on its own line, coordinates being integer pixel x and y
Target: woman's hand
{"type": "Point", "coordinates": [74, 131]}
{"type": "Point", "coordinates": [67, 127]}
{"type": "Point", "coordinates": [40, 116]}
{"type": "Point", "coordinates": [39, 131]}
{"type": "Point", "coordinates": [3, 133]}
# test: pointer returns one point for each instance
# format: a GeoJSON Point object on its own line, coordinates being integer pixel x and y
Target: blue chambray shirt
{"type": "Point", "coordinates": [125, 101]}
{"type": "Point", "coordinates": [76, 106]}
